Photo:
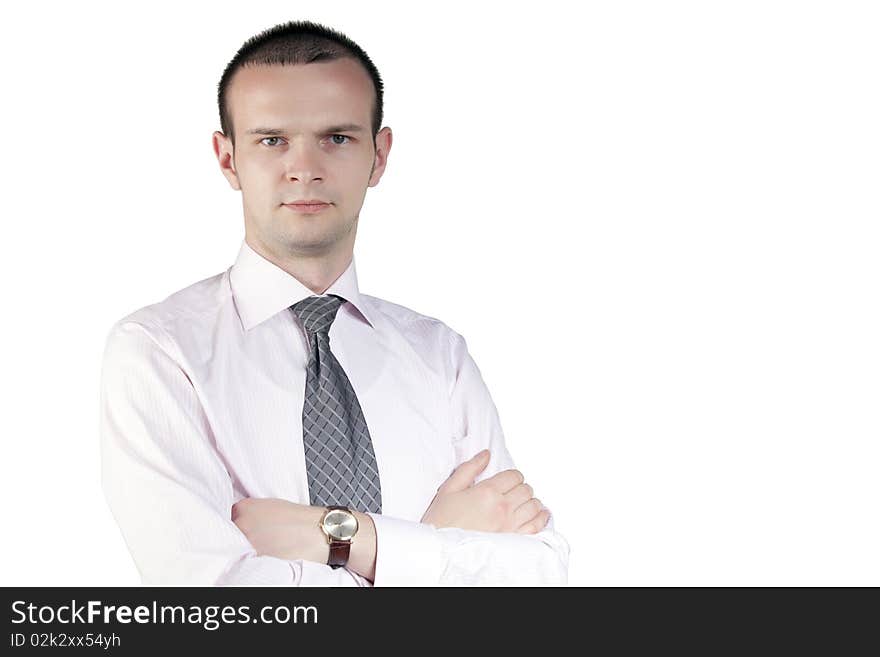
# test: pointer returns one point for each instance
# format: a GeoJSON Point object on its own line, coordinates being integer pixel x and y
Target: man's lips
{"type": "Point", "coordinates": [308, 207]}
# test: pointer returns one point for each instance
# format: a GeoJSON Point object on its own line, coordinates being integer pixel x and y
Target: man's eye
{"type": "Point", "coordinates": [265, 140]}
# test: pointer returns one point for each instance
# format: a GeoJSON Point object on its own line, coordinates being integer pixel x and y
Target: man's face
{"type": "Point", "coordinates": [296, 139]}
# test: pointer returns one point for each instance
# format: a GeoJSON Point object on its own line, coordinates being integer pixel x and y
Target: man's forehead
{"type": "Point", "coordinates": [335, 77]}
{"type": "Point", "coordinates": [294, 118]}
{"type": "Point", "coordinates": [269, 99]}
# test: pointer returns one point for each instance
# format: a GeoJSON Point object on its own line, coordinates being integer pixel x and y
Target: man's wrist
{"type": "Point", "coordinates": [362, 556]}
{"type": "Point", "coordinates": [362, 553]}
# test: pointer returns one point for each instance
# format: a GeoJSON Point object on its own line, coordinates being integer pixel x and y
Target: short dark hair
{"type": "Point", "coordinates": [299, 42]}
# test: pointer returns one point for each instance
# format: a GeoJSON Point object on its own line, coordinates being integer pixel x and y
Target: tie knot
{"type": "Point", "coordinates": [317, 313]}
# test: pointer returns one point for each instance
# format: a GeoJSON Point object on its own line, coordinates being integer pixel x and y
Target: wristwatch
{"type": "Point", "coordinates": [339, 526]}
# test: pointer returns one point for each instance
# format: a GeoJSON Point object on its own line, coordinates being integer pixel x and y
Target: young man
{"type": "Point", "coordinates": [273, 425]}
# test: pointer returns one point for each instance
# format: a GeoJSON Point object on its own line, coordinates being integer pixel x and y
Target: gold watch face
{"type": "Point", "coordinates": [340, 525]}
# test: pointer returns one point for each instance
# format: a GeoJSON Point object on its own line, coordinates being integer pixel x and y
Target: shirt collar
{"type": "Point", "coordinates": [262, 289]}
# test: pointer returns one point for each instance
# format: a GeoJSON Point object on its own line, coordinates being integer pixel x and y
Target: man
{"type": "Point", "coordinates": [273, 425]}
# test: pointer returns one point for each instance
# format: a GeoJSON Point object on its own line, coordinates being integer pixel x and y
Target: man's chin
{"type": "Point", "coordinates": [308, 245]}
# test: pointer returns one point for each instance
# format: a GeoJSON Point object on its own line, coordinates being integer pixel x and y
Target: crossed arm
{"type": "Point", "coordinates": [174, 501]}
{"type": "Point", "coordinates": [287, 530]}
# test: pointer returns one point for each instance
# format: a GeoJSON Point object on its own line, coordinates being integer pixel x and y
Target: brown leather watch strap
{"type": "Point", "coordinates": [339, 551]}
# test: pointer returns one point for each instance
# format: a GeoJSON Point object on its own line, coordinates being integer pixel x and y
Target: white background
{"type": "Point", "coordinates": [656, 225]}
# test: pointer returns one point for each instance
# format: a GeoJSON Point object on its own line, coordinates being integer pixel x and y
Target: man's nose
{"type": "Point", "coordinates": [303, 162]}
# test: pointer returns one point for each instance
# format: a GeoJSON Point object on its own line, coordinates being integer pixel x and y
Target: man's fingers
{"type": "Point", "coordinates": [536, 525]}
{"type": "Point", "coordinates": [527, 511]}
{"type": "Point", "coordinates": [504, 481]}
{"type": "Point", "coordinates": [466, 472]}
{"type": "Point", "coordinates": [519, 495]}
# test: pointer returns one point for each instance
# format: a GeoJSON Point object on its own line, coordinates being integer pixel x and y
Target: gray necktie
{"type": "Point", "coordinates": [340, 461]}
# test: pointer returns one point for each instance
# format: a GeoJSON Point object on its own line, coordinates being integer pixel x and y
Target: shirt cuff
{"type": "Point", "coordinates": [407, 553]}
{"type": "Point", "coordinates": [312, 573]}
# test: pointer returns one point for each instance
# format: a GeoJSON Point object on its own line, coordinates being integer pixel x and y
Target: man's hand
{"type": "Point", "coordinates": [282, 529]}
{"type": "Point", "coordinates": [501, 503]}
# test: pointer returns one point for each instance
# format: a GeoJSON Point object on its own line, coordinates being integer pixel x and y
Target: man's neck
{"type": "Point", "coordinates": [315, 273]}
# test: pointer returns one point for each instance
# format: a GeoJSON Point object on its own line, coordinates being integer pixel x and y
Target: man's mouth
{"type": "Point", "coordinates": [307, 206]}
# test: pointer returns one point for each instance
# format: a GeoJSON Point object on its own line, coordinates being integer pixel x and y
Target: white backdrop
{"type": "Point", "coordinates": [656, 225]}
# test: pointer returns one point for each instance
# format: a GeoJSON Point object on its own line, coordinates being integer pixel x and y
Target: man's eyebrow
{"type": "Point", "coordinates": [277, 132]}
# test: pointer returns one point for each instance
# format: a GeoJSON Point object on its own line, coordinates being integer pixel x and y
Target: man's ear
{"type": "Point", "coordinates": [225, 153]}
{"type": "Point", "coordinates": [380, 157]}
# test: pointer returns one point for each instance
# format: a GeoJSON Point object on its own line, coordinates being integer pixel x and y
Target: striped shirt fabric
{"type": "Point", "coordinates": [201, 406]}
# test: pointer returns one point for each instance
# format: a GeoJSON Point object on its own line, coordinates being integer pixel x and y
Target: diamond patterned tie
{"type": "Point", "coordinates": [340, 462]}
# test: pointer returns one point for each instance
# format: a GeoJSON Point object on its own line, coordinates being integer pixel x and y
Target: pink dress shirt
{"type": "Point", "coordinates": [201, 406]}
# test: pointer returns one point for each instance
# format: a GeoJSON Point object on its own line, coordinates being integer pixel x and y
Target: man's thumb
{"type": "Point", "coordinates": [466, 472]}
